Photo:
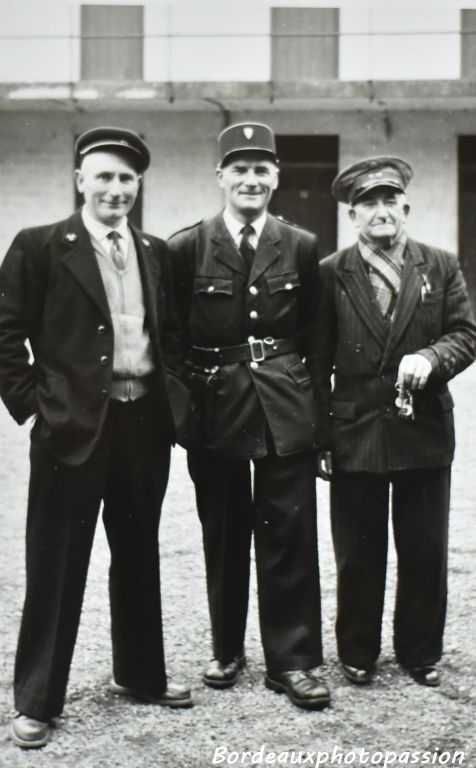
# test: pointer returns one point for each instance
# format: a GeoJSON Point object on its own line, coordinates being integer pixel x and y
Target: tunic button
{"type": "Point", "coordinates": [104, 360]}
{"type": "Point", "coordinates": [254, 365]}
{"type": "Point", "coordinates": [211, 288]}
{"type": "Point", "coordinates": [288, 286]}
{"type": "Point", "coordinates": [253, 314]}
{"type": "Point", "coordinates": [103, 394]}
{"type": "Point", "coordinates": [253, 290]}
{"type": "Point", "coordinates": [101, 330]}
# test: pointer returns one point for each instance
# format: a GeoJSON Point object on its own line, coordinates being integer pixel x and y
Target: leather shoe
{"type": "Point", "coordinates": [218, 675]}
{"type": "Point", "coordinates": [425, 675]}
{"type": "Point", "coordinates": [29, 733]}
{"type": "Point", "coordinates": [174, 696]}
{"type": "Point", "coordinates": [302, 688]}
{"type": "Point", "coordinates": [357, 675]}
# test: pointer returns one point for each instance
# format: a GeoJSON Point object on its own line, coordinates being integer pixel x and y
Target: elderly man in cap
{"type": "Point", "coordinates": [394, 325]}
{"type": "Point", "coordinates": [246, 286]}
{"type": "Point", "coordinates": [92, 296]}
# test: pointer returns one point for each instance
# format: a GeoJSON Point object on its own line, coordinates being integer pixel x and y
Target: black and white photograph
{"type": "Point", "coordinates": [237, 391]}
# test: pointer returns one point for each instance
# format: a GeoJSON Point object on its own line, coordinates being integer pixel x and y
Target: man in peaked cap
{"type": "Point", "coordinates": [246, 291]}
{"type": "Point", "coordinates": [394, 325]}
{"type": "Point", "coordinates": [92, 296]}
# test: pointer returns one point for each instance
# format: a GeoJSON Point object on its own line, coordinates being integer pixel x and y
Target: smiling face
{"type": "Point", "coordinates": [380, 215]}
{"type": "Point", "coordinates": [248, 182]}
{"type": "Point", "coordinates": [109, 184]}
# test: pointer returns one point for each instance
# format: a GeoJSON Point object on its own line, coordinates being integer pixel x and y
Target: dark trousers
{"type": "Point", "coordinates": [359, 514]}
{"type": "Point", "coordinates": [128, 470]}
{"type": "Point", "coordinates": [282, 516]}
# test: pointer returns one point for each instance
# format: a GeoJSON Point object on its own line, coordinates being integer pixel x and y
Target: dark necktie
{"type": "Point", "coordinates": [116, 254]}
{"type": "Point", "coordinates": [246, 249]}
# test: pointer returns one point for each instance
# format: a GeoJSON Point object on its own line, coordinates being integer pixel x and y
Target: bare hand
{"type": "Point", "coordinates": [413, 371]}
{"type": "Point", "coordinates": [324, 465]}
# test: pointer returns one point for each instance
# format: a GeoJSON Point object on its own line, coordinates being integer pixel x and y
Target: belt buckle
{"type": "Point", "coordinates": [256, 356]}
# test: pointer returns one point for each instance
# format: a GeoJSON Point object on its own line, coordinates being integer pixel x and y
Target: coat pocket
{"type": "Point", "coordinates": [285, 282]}
{"type": "Point", "coordinates": [299, 372]}
{"type": "Point", "coordinates": [212, 285]}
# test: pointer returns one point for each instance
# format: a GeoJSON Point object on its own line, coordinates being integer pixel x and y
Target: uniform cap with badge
{"type": "Point", "coordinates": [120, 140]}
{"type": "Point", "coordinates": [246, 137]}
{"type": "Point", "coordinates": [359, 178]}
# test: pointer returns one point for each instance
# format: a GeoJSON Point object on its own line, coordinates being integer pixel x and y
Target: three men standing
{"type": "Point", "coordinates": [246, 294]}
{"type": "Point", "coordinates": [92, 296]}
{"type": "Point", "coordinates": [394, 325]}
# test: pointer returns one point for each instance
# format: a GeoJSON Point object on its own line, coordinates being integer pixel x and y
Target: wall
{"type": "Point", "coordinates": [37, 162]}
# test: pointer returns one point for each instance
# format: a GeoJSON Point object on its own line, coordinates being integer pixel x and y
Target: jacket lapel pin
{"type": "Point", "coordinates": [146, 242]}
{"type": "Point", "coordinates": [71, 237]}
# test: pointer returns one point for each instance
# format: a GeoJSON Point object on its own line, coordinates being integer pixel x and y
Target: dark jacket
{"type": "Point", "coordinates": [215, 296]}
{"type": "Point", "coordinates": [359, 419]}
{"type": "Point", "coordinates": [52, 294]}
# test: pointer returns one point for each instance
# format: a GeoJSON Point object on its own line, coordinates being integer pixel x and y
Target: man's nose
{"type": "Point", "coordinates": [251, 178]}
{"type": "Point", "coordinates": [115, 186]}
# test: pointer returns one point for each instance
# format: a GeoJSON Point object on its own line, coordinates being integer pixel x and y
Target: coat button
{"type": "Point", "coordinates": [102, 330]}
{"type": "Point", "coordinates": [254, 314]}
{"type": "Point", "coordinates": [104, 360]}
{"type": "Point", "coordinates": [211, 288]}
{"type": "Point", "coordinates": [254, 365]}
{"type": "Point", "coordinates": [103, 394]}
{"type": "Point", "coordinates": [288, 286]}
{"type": "Point", "coordinates": [253, 290]}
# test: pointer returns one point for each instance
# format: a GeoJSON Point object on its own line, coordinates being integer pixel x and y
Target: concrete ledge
{"type": "Point", "coordinates": [328, 94]}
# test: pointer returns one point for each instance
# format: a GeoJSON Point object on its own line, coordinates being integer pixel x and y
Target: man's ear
{"type": "Point", "coordinates": [276, 179]}
{"type": "Point", "coordinates": [78, 178]}
{"type": "Point", "coordinates": [139, 180]}
{"type": "Point", "coordinates": [219, 175]}
{"type": "Point", "coordinates": [406, 209]}
{"type": "Point", "coordinates": [351, 213]}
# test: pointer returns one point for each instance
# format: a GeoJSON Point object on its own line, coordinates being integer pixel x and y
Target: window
{"type": "Point", "coordinates": [112, 42]}
{"type": "Point", "coordinates": [468, 44]}
{"type": "Point", "coordinates": [304, 43]}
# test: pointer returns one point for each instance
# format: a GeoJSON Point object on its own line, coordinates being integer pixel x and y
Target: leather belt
{"type": "Point", "coordinates": [256, 350]}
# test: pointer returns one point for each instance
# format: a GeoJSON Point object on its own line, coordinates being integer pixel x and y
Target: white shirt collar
{"type": "Point", "coordinates": [234, 226]}
{"type": "Point", "coordinates": [99, 230]}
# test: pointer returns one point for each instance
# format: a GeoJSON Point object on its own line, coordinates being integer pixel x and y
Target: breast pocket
{"type": "Point", "coordinates": [287, 282]}
{"type": "Point", "coordinates": [212, 286]}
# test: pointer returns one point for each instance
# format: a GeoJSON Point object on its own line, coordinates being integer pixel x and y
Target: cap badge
{"type": "Point", "coordinates": [248, 131]}
{"type": "Point", "coordinates": [71, 237]}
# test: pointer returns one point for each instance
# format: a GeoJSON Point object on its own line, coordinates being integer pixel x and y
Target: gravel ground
{"type": "Point", "coordinates": [98, 730]}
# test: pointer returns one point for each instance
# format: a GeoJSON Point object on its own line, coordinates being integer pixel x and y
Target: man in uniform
{"type": "Point", "coordinates": [92, 296]}
{"type": "Point", "coordinates": [247, 292]}
{"type": "Point", "coordinates": [394, 325]}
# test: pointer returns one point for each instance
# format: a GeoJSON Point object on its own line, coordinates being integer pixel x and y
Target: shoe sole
{"type": "Point", "coordinates": [316, 704]}
{"type": "Point", "coordinates": [219, 685]}
{"type": "Point", "coordinates": [126, 693]}
{"type": "Point", "coordinates": [29, 743]}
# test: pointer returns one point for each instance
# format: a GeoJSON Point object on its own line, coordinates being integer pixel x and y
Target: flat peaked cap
{"type": "Point", "coordinates": [359, 178]}
{"type": "Point", "coordinates": [246, 137]}
{"type": "Point", "coordinates": [119, 139]}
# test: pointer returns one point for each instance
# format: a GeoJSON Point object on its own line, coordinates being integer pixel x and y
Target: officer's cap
{"type": "Point", "coordinates": [359, 178]}
{"type": "Point", "coordinates": [246, 137]}
{"type": "Point", "coordinates": [116, 139]}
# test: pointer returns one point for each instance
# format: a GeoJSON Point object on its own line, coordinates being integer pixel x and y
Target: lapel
{"type": "Point", "coordinates": [80, 259]}
{"type": "Point", "coordinates": [267, 250]}
{"type": "Point", "coordinates": [150, 271]}
{"type": "Point", "coordinates": [409, 296]}
{"type": "Point", "coordinates": [223, 247]}
{"type": "Point", "coordinates": [356, 284]}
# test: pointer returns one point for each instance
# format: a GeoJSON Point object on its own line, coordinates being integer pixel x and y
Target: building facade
{"type": "Point", "coordinates": [336, 84]}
